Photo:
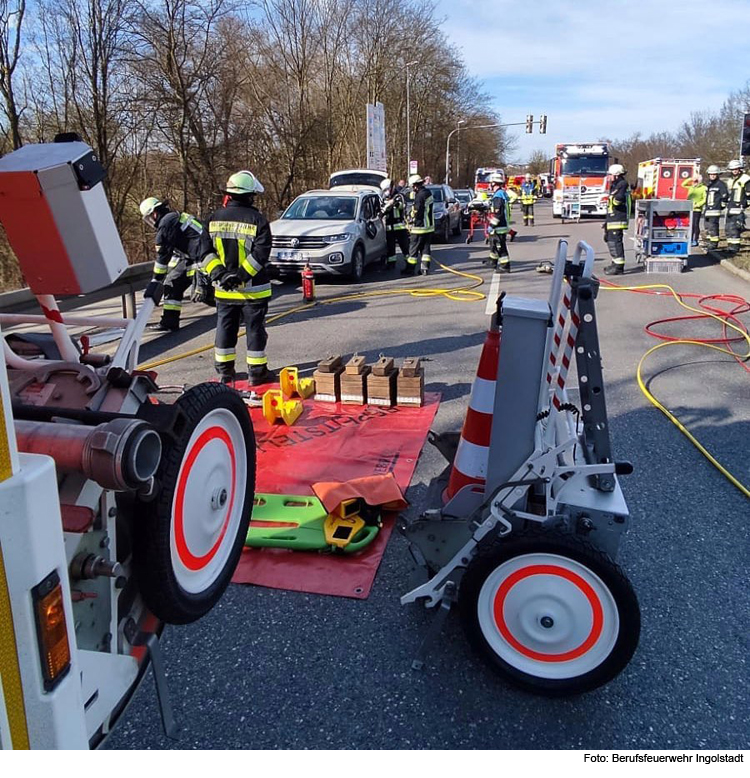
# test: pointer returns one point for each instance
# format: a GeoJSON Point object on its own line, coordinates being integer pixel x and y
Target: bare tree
{"type": "Point", "coordinates": [11, 27]}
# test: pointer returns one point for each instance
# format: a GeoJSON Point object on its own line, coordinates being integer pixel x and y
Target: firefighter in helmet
{"type": "Point", "coordinates": [616, 222]}
{"type": "Point", "coordinates": [241, 237]}
{"type": "Point", "coordinates": [394, 213]}
{"type": "Point", "coordinates": [739, 199]}
{"type": "Point", "coordinates": [181, 244]}
{"type": "Point", "coordinates": [528, 198]}
{"type": "Point", "coordinates": [500, 208]}
{"type": "Point", "coordinates": [717, 195]}
{"type": "Point", "coordinates": [421, 227]}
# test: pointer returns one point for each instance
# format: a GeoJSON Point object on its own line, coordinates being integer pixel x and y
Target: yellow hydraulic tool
{"type": "Point", "coordinates": [294, 386]}
{"type": "Point", "coordinates": [275, 407]}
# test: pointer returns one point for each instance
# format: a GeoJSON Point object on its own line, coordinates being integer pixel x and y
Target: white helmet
{"type": "Point", "coordinates": [385, 184]}
{"type": "Point", "coordinates": [713, 170]}
{"type": "Point", "coordinates": [497, 178]}
{"type": "Point", "coordinates": [616, 170]}
{"type": "Point", "coordinates": [415, 178]}
{"type": "Point", "coordinates": [735, 164]}
{"type": "Point", "coordinates": [243, 183]}
{"type": "Point", "coordinates": [149, 205]}
{"type": "Point", "coordinates": [528, 176]}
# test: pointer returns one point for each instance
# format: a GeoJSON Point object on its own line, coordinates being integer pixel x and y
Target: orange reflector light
{"type": "Point", "coordinates": [52, 631]}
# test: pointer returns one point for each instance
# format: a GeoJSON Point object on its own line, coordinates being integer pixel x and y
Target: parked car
{"type": "Point", "coordinates": [447, 212]}
{"type": "Point", "coordinates": [337, 232]}
{"type": "Point", "coordinates": [347, 178]}
{"type": "Point", "coordinates": [464, 197]}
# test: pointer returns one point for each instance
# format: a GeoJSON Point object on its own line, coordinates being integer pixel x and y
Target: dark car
{"type": "Point", "coordinates": [464, 197]}
{"type": "Point", "coordinates": [447, 212]}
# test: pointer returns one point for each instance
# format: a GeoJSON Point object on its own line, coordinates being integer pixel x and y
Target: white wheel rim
{"type": "Point", "coordinates": [208, 501]}
{"type": "Point", "coordinates": [548, 616]}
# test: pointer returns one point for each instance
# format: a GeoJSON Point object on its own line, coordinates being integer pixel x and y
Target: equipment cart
{"type": "Point", "coordinates": [662, 234]}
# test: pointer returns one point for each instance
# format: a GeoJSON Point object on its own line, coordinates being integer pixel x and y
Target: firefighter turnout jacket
{"type": "Point", "coordinates": [739, 194]}
{"type": "Point", "coordinates": [618, 206]}
{"type": "Point", "coordinates": [394, 210]}
{"type": "Point", "coordinates": [528, 195]}
{"type": "Point", "coordinates": [717, 195]}
{"type": "Point", "coordinates": [423, 220]}
{"type": "Point", "coordinates": [179, 236]}
{"type": "Point", "coordinates": [241, 237]}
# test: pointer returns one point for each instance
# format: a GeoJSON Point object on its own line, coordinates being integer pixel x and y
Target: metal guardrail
{"type": "Point", "coordinates": [132, 280]}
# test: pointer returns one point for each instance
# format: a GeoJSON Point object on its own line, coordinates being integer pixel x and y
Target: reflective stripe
{"type": "Point", "coordinates": [186, 220]}
{"type": "Point", "coordinates": [482, 395]}
{"type": "Point", "coordinates": [257, 358]}
{"type": "Point", "coordinates": [411, 260]}
{"type": "Point", "coordinates": [172, 305]}
{"type": "Point", "coordinates": [426, 258]}
{"type": "Point", "coordinates": [471, 460]}
{"type": "Point", "coordinates": [251, 265]}
{"type": "Point", "coordinates": [159, 269]}
{"type": "Point", "coordinates": [422, 230]}
{"type": "Point", "coordinates": [713, 213]}
{"type": "Point", "coordinates": [224, 355]}
{"type": "Point", "coordinates": [232, 230]}
{"type": "Point", "coordinates": [618, 260]}
{"type": "Point", "coordinates": [211, 263]}
{"type": "Point", "coordinates": [617, 226]}
{"type": "Point", "coordinates": [257, 293]}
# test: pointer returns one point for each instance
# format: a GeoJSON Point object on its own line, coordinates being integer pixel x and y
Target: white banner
{"type": "Point", "coordinates": [376, 159]}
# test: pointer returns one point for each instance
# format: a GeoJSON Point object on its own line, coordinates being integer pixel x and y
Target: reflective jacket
{"type": "Point", "coordinates": [739, 194]}
{"type": "Point", "coordinates": [423, 220]}
{"type": "Point", "coordinates": [179, 236]}
{"type": "Point", "coordinates": [241, 237]}
{"type": "Point", "coordinates": [394, 211]}
{"type": "Point", "coordinates": [527, 193]}
{"type": "Point", "coordinates": [500, 209]}
{"type": "Point", "coordinates": [717, 195]}
{"type": "Point", "coordinates": [618, 206]}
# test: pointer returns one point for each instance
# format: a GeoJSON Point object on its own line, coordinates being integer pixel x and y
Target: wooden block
{"type": "Point", "coordinates": [381, 389]}
{"type": "Point", "coordinates": [383, 367]}
{"type": "Point", "coordinates": [356, 366]}
{"type": "Point", "coordinates": [328, 385]}
{"type": "Point", "coordinates": [411, 367]}
{"type": "Point", "coordinates": [354, 387]}
{"type": "Point", "coordinates": [410, 389]}
{"type": "Point", "coordinates": [330, 364]}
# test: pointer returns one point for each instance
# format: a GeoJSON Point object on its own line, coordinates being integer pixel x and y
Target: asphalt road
{"type": "Point", "coordinates": [274, 669]}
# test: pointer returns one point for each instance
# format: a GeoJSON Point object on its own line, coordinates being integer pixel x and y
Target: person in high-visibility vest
{"type": "Point", "coordinates": [528, 198]}
{"type": "Point", "coordinates": [697, 195]}
{"type": "Point", "coordinates": [181, 244]}
{"type": "Point", "coordinates": [241, 237]}
{"type": "Point", "coordinates": [739, 199]}
{"type": "Point", "coordinates": [394, 213]}
{"type": "Point", "coordinates": [421, 227]}
{"type": "Point", "coordinates": [618, 214]}
{"type": "Point", "coordinates": [500, 209]}
{"type": "Point", "coordinates": [717, 195]}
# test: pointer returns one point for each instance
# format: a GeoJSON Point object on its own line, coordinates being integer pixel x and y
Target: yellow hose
{"type": "Point", "coordinates": [655, 402]}
{"type": "Point", "coordinates": [462, 294]}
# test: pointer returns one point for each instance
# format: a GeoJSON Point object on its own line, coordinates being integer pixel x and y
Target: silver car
{"type": "Point", "coordinates": [336, 231]}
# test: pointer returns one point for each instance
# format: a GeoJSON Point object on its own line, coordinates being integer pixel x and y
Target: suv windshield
{"type": "Point", "coordinates": [585, 165]}
{"type": "Point", "coordinates": [463, 196]}
{"type": "Point", "coordinates": [332, 208]}
{"type": "Point", "coordinates": [356, 179]}
{"type": "Point", "coordinates": [437, 193]}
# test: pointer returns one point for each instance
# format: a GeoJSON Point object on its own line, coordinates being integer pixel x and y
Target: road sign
{"type": "Point", "coordinates": [376, 158]}
{"type": "Point", "coordinates": [413, 167]}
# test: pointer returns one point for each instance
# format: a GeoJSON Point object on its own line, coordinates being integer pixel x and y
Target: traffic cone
{"type": "Point", "coordinates": [470, 463]}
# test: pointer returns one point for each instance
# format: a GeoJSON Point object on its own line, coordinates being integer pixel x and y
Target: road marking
{"type": "Point", "coordinates": [493, 295]}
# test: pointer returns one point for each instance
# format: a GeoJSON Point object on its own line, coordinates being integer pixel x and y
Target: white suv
{"type": "Point", "coordinates": [334, 231]}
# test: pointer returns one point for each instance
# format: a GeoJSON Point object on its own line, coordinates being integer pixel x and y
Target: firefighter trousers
{"type": "Point", "coordinates": [396, 238]}
{"type": "Point", "coordinates": [712, 231]}
{"type": "Point", "coordinates": [176, 283]}
{"type": "Point", "coordinates": [499, 248]}
{"type": "Point", "coordinates": [528, 214]}
{"type": "Point", "coordinates": [420, 245]}
{"type": "Point", "coordinates": [735, 225]}
{"type": "Point", "coordinates": [615, 246]}
{"type": "Point", "coordinates": [228, 319]}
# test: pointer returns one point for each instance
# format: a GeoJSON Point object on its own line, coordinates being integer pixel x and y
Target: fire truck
{"type": "Point", "coordinates": [662, 178]}
{"type": "Point", "coordinates": [579, 172]}
{"type": "Point", "coordinates": [482, 178]}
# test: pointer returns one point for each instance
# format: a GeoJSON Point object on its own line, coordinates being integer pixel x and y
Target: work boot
{"type": "Point", "coordinates": [503, 267]}
{"type": "Point", "coordinates": [424, 269]}
{"type": "Point", "coordinates": [264, 376]}
{"type": "Point", "coordinates": [228, 380]}
{"type": "Point", "coordinates": [162, 327]}
{"type": "Point", "coordinates": [613, 269]}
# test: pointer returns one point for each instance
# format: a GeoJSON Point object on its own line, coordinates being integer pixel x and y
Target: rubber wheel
{"type": "Point", "coordinates": [358, 264]}
{"type": "Point", "coordinates": [187, 541]}
{"type": "Point", "coordinates": [550, 613]}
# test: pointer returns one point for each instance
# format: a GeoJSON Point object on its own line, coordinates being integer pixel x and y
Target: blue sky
{"type": "Point", "coordinates": [601, 69]}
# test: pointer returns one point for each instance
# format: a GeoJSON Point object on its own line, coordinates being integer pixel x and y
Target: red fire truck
{"type": "Point", "coordinates": [662, 178]}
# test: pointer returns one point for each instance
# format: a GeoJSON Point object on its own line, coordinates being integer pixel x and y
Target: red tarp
{"type": "Point", "coordinates": [332, 443]}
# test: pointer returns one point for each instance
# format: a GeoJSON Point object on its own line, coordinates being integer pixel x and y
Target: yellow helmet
{"type": "Point", "coordinates": [243, 183]}
{"type": "Point", "coordinates": [149, 205]}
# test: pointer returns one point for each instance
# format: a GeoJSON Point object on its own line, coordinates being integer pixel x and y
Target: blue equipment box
{"type": "Point", "coordinates": [669, 248]}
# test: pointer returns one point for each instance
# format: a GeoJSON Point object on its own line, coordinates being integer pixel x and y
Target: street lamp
{"type": "Point", "coordinates": [408, 118]}
{"type": "Point", "coordinates": [448, 146]}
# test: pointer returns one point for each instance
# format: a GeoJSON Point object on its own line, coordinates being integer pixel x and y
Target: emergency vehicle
{"type": "Point", "coordinates": [482, 178]}
{"type": "Point", "coordinates": [579, 172]}
{"type": "Point", "coordinates": [662, 178]}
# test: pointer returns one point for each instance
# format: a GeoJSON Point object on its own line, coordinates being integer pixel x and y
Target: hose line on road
{"type": "Point", "coordinates": [462, 294]}
{"type": "Point", "coordinates": [728, 320]}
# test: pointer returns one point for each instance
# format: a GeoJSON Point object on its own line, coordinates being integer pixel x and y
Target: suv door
{"type": "Point", "coordinates": [374, 228]}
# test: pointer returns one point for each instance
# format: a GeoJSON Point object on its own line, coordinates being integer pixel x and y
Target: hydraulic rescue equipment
{"type": "Point", "coordinates": [117, 514]}
{"type": "Point", "coordinates": [528, 555]}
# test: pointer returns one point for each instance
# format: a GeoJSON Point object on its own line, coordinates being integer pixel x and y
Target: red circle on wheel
{"type": "Point", "coordinates": [576, 580]}
{"type": "Point", "coordinates": [191, 561]}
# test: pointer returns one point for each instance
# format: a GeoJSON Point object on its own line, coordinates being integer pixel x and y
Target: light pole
{"type": "Point", "coordinates": [448, 147]}
{"type": "Point", "coordinates": [408, 118]}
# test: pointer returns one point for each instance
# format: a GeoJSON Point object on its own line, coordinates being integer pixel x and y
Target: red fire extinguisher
{"type": "Point", "coordinates": [308, 284]}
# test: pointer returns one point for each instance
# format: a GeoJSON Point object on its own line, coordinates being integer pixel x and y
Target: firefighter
{"type": "Point", "coordinates": [528, 198]}
{"type": "Point", "coordinates": [500, 206]}
{"type": "Point", "coordinates": [394, 211]}
{"type": "Point", "coordinates": [739, 199]}
{"type": "Point", "coordinates": [696, 192]}
{"type": "Point", "coordinates": [181, 244]}
{"type": "Point", "coordinates": [618, 213]}
{"type": "Point", "coordinates": [238, 269]}
{"type": "Point", "coordinates": [717, 195]}
{"type": "Point", "coordinates": [421, 227]}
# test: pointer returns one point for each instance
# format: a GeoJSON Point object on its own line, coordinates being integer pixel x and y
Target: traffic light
{"type": "Point", "coordinates": [529, 123]}
{"type": "Point", "coordinates": [745, 143]}
{"type": "Point", "coordinates": [543, 124]}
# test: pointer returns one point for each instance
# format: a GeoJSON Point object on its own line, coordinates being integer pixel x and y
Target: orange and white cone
{"type": "Point", "coordinates": [470, 464]}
